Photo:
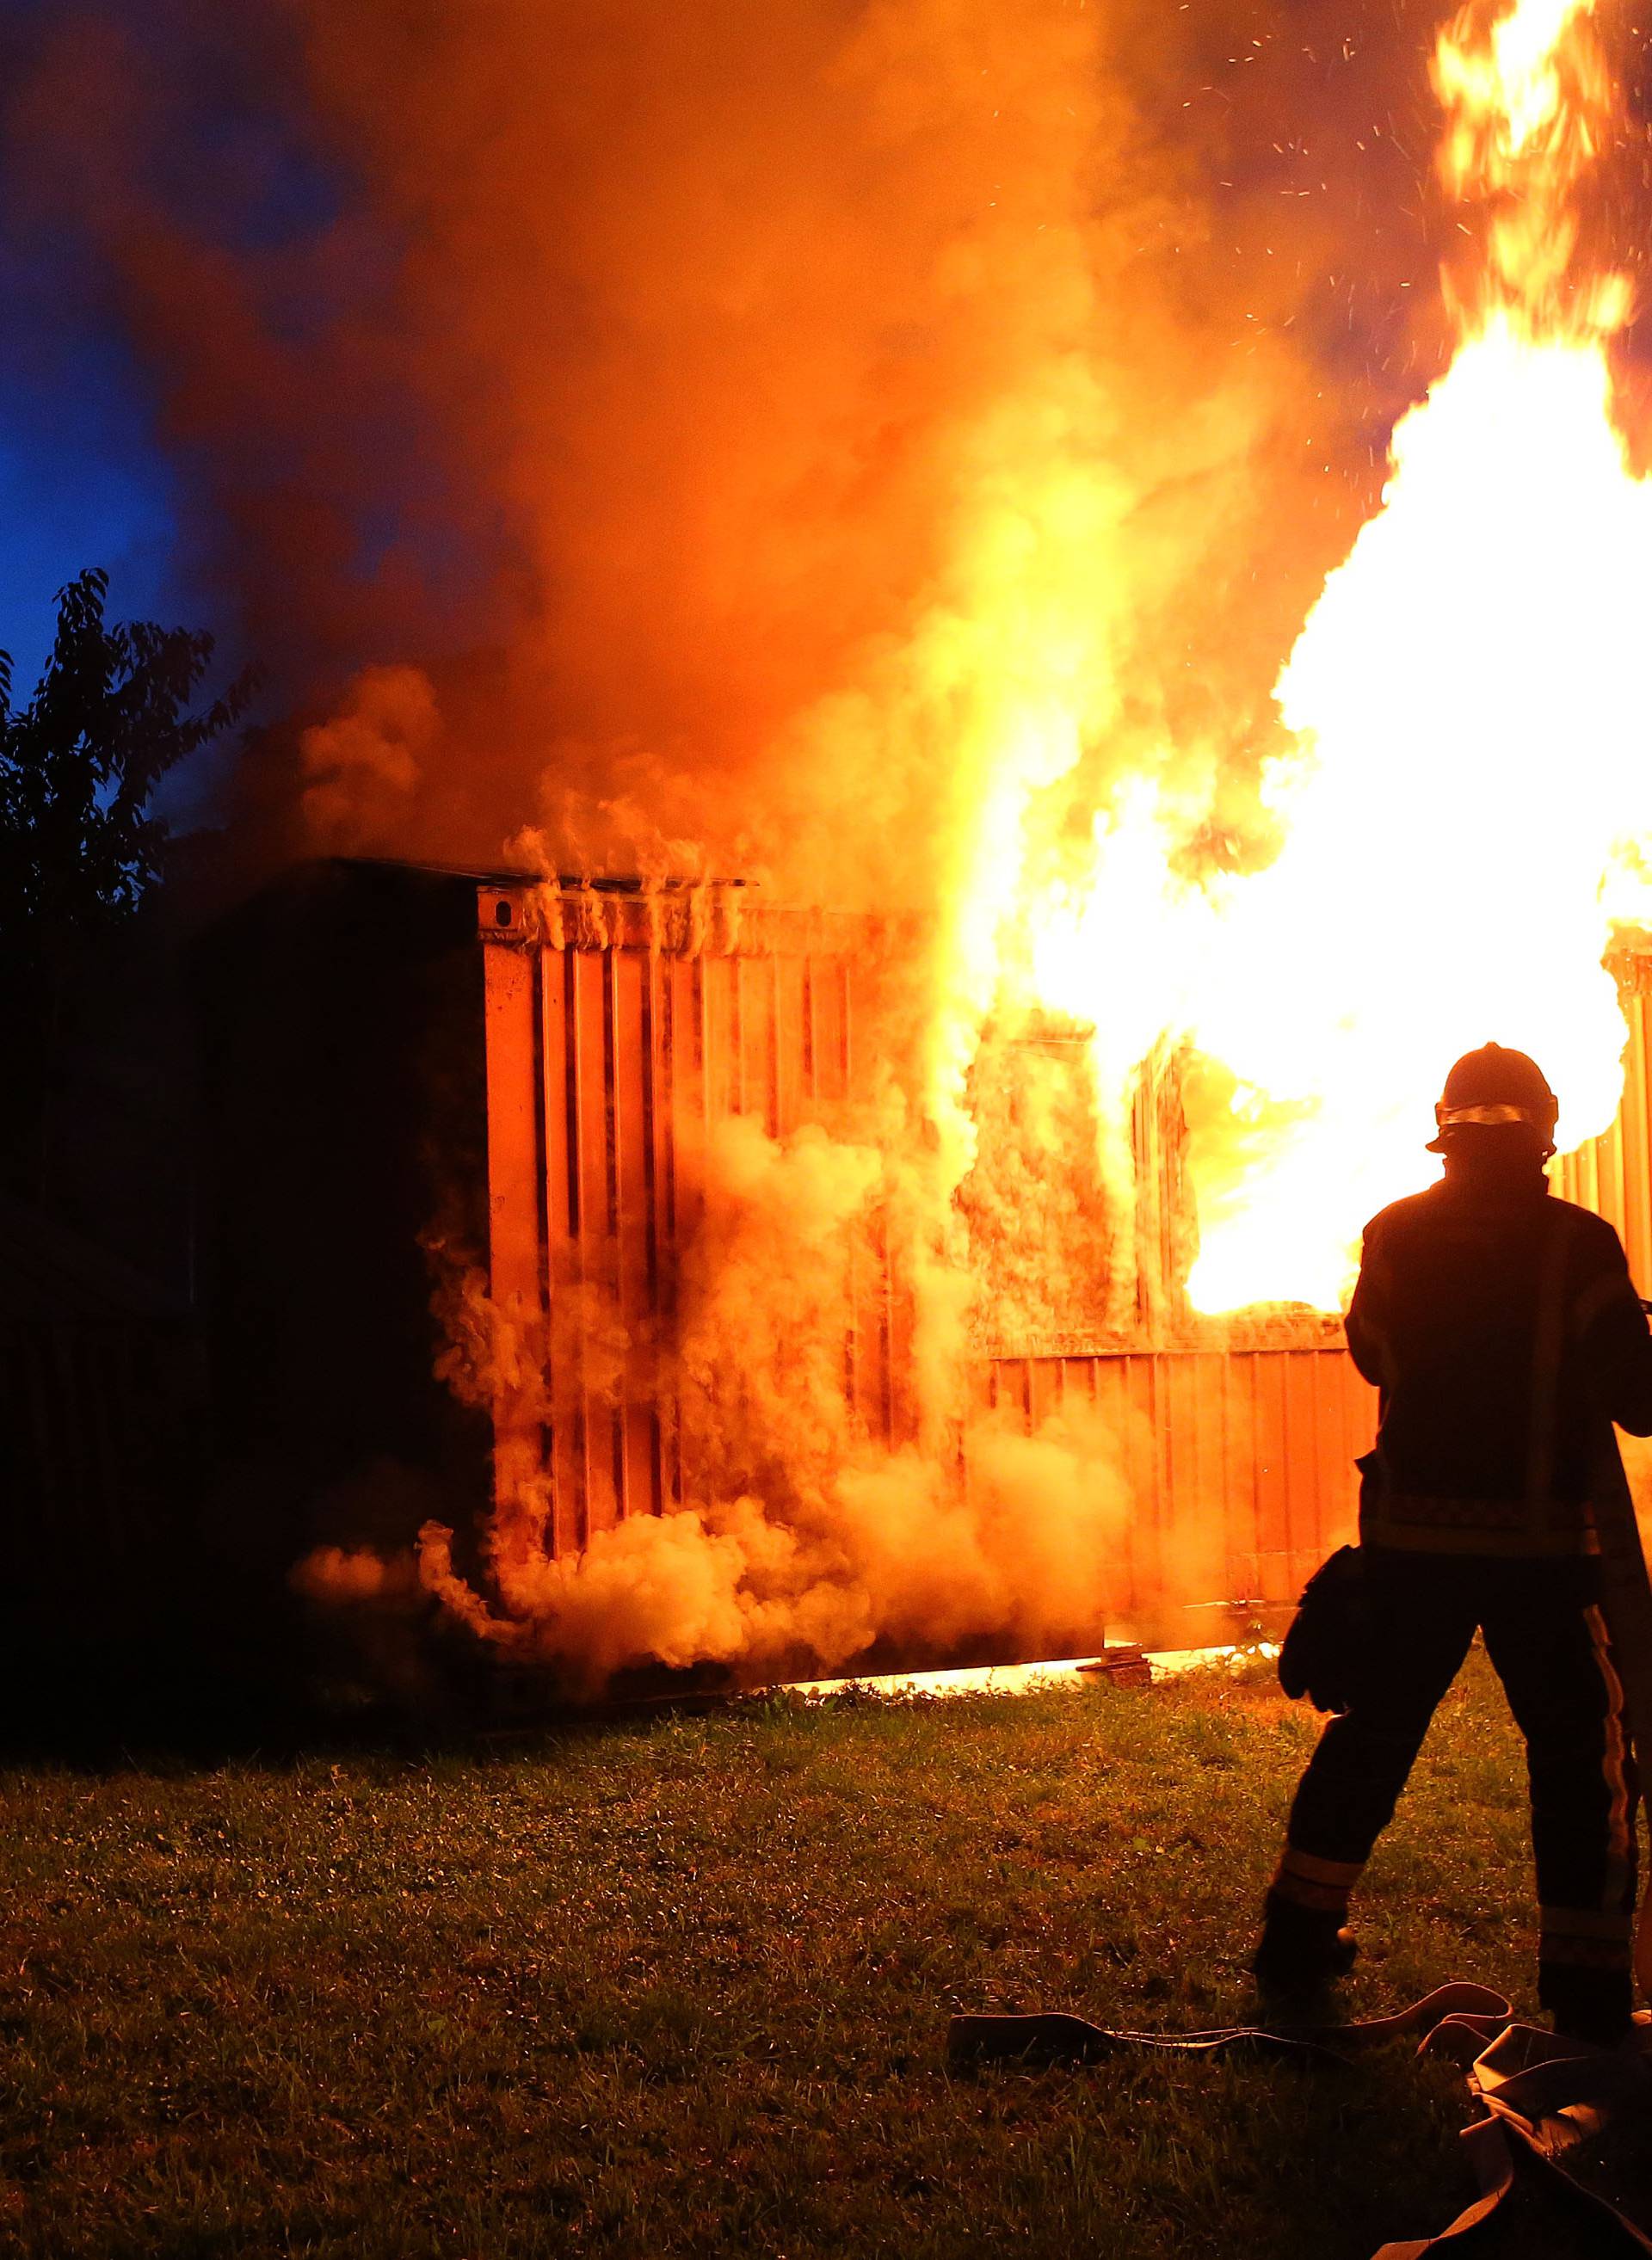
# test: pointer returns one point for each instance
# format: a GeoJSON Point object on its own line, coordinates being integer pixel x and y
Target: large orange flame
{"type": "Point", "coordinates": [1468, 707]}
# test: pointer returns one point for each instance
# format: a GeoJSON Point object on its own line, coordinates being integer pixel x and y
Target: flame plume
{"type": "Point", "coordinates": [1467, 776]}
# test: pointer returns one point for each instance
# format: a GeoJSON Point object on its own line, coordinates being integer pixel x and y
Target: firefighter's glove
{"type": "Point", "coordinates": [1325, 1647]}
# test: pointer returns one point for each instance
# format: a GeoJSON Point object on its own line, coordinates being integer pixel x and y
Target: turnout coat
{"type": "Point", "coordinates": [1503, 1334]}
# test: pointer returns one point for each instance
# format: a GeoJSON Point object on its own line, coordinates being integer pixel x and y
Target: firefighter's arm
{"type": "Point", "coordinates": [1366, 1323]}
{"type": "Point", "coordinates": [1616, 1340]}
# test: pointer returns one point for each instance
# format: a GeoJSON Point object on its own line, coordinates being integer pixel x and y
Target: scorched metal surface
{"type": "Point", "coordinates": [531, 1072]}
{"type": "Point", "coordinates": [620, 1027]}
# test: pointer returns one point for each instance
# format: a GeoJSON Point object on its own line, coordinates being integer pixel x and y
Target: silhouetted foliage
{"type": "Point", "coordinates": [79, 764]}
{"type": "Point", "coordinates": [80, 841]}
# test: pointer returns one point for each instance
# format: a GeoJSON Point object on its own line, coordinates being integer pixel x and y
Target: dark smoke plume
{"type": "Point", "coordinates": [653, 381]}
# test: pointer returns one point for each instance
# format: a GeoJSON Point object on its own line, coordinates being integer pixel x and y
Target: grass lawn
{"type": "Point", "coordinates": [682, 1987]}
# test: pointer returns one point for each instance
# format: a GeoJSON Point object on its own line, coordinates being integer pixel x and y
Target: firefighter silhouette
{"type": "Point", "coordinates": [1499, 1327]}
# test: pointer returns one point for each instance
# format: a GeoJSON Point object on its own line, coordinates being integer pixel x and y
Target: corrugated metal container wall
{"type": "Point", "coordinates": [97, 1420]}
{"type": "Point", "coordinates": [1241, 1462]}
{"type": "Point", "coordinates": [620, 1027]}
{"type": "Point", "coordinates": [1239, 1466]}
{"type": "Point", "coordinates": [1613, 1174]}
{"type": "Point", "coordinates": [101, 1417]}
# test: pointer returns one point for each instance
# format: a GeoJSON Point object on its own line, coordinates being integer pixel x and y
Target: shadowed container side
{"type": "Point", "coordinates": [417, 1077]}
{"type": "Point", "coordinates": [621, 1026]}
{"type": "Point", "coordinates": [102, 1432]}
{"type": "Point", "coordinates": [344, 1118]}
{"type": "Point", "coordinates": [528, 1074]}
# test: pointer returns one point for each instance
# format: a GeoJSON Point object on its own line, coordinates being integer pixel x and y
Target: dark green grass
{"type": "Point", "coordinates": [683, 1988]}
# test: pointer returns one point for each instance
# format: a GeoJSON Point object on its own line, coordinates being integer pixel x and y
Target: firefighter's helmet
{"type": "Point", "coordinates": [1493, 1087]}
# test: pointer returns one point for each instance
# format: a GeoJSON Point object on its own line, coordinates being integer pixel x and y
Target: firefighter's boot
{"type": "Point", "coordinates": [1301, 1949]}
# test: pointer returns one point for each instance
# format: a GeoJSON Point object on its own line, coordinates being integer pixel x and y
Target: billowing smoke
{"type": "Point", "coordinates": [824, 445]}
{"type": "Point", "coordinates": [743, 420]}
{"type": "Point", "coordinates": [366, 763]}
{"type": "Point", "coordinates": [805, 1539]}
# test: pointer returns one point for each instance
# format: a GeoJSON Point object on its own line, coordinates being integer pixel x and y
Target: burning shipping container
{"type": "Point", "coordinates": [438, 1098]}
{"type": "Point", "coordinates": [808, 1288]}
{"type": "Point", "coordinates": [543, 1217]}
{"type": "Point", "coordinates": [452, 1107]}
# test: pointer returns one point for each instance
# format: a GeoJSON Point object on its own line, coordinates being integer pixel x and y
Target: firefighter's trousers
{"type": "Point", "coordinates": [1547, 1640]}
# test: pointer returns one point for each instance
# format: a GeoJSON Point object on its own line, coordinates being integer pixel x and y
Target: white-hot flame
{"type": "Point", "coordinates": [1471, 770]}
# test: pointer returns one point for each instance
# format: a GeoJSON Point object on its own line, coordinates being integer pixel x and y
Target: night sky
{"type": "Point", "coordinates": [82, 482]}
{"type": "Point", "coordinates": [87, 474]}
{"type": "Point", "coordinates": [221, 155]}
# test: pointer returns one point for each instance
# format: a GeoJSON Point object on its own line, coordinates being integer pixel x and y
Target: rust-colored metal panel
{"type": "Point", "coordinates": [564, 1450]}
{"type": "Point", "coordinates": [760, 1041]}
{"type": "Point", "coordinates": [683, 1094]}
{"type": "Point", "coordinates": [620, 1028]}
{"type": "Point", "coordinates": [1240, 1463]}
{"type": "Point", "coordinates": [1177, 1419]}
{"type": "Point", "coordinates": [1046, 1384]}
{"type": "Point", "coordinates": [513, 1172]}
{"type": "Point", "coordinates": [1303, 1475]}
{"type": "Point", "coordinates": [1145, 1449]}
{"type": "Point", "coordinates": [1613, 1174]}
{"type": "Point", "coordinates": [1238, 1492]}
{"type": "Point", "coordinates": [829, 1029]}
{"type": "Point", "coordinates": [1281, 1508]}
{"type": "Point", "coordinates": [1195, 1527]}
{"type": "Point", "coordinates": [720, 1042]}
{"type": "Point", "coordinates": [514, 1177]}
{"type": "Point", "coordinates": [790, 1023]}
{"type": "Point", "coordinates": [868, 1350]}
{"type": "Point", "coordinates": [1238, 1467]}
{"type": "Point", "coordinates": [636, 1470]}
{"type": "Point", "coordinates": [1635, 1146]}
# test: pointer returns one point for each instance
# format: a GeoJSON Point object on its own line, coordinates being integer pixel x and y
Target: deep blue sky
{"type": "Point", "coordinates": [83, 479]}
{"type": "Point", "coordinates": [81, 483]}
